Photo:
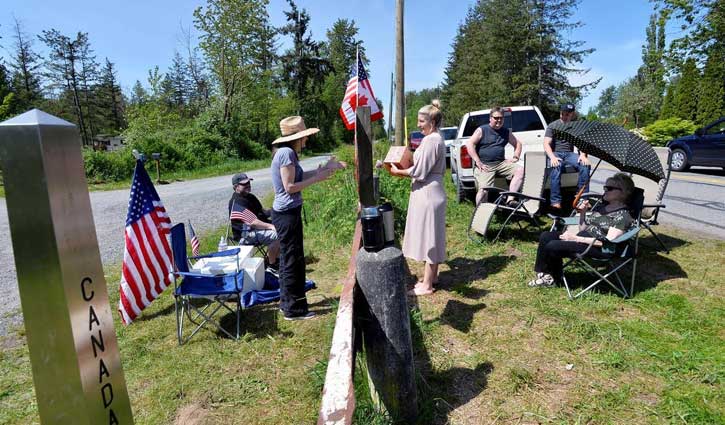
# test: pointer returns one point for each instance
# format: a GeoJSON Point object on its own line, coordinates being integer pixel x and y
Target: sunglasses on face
{"type": "Point", "coordinates": [497, 118]}
{"type": "Point", "coordinates": [609, 188]}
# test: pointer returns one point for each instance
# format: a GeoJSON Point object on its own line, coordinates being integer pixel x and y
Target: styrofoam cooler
{"type": "Point", "coordinates": [220, 265]}
{"type": "Point", "coordinates": [253, 274]}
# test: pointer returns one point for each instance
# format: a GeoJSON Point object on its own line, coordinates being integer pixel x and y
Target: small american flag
{"type": "Point", "coordinates": [193, 241]}
{"type": "Point", "coordinates": [359, 92]}
{"type": "Point", "coordinates": [147, 268]}
{"type": "Point", "coordinates": [240, 213]}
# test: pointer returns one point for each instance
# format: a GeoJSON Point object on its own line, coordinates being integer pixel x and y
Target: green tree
{"type": "Point", "coordinates": [340, 48]}
{"type": "Point", "coordinates": [685, 101]}
{"type": "Point", "coordinates": [110, 100]}
{"type": "Point", "coordinates": [139, 96]}
{"type": "Point", "coordinates": [303, 67]}
{"type": "Point", "coordinates": [25, 66]}
{"type": "Point", "coordinates": [668, 103]}
{"type": "Point", "coordinates": [535, 72]}
{"type": "Point", "coordinates": [711, 96]}
{"type": "Point", "coordinates": [180, 86]}
{"type": "Point", "coordinates": [607, 106]}
{"type": "Point", "coordinates": [703, 24]}
{"type": "Point", "coordinates": [233, 36]}
{"type": "Point", "coordinates": [63, 68]}
{"type": "Point", "coordinates": [414, 100]}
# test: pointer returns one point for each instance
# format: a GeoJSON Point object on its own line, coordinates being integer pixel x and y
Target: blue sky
{"type": "Point", "coordinates": [137, 35]}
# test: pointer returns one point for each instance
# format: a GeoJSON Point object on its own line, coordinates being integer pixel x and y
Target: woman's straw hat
{"type": "Point", "coordinates": [293, 128]}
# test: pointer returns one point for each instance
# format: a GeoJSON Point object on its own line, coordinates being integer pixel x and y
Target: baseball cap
{"type": "Point", "coordinates": [240, 178]}
{"type": "Point", "coordinates": [567, 107]}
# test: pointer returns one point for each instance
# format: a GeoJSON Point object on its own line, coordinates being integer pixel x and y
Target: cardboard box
{"type": "Point", "coordinates": [401, 156]}
{"type": "Point", "coordinates": [253, 274]}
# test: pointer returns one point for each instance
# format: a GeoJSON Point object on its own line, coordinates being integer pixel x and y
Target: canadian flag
{"type": "Point", "coordinates": [359, 92]}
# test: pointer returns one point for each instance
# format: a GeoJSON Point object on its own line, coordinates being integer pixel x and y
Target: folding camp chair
{"type": "Point", "coordinates": [654, 192]}
{"type": "Point", "coordinates": [524, 205]}
{"type": "Point", "coordinates": [622, 252]}
{"type": "Point", "coordinates": [215, 290]}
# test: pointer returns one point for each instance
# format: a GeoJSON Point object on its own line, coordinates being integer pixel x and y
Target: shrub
{"type": "Point", "coordinates": [108, 166]}
{"type": "Point", "coordinates": [662, 131]}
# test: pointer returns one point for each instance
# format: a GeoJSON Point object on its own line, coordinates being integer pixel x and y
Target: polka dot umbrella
{"type": "Point", "coordinates": [614, 144]}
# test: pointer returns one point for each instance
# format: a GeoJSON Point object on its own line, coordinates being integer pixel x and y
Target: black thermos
{"type": "Point", "coordinates": [372, 229]}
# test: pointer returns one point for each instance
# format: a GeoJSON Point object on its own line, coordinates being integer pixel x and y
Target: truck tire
{"type": "Point", "coordinates": [460, 191]}
{"type": "Point", "coordinates": [679, 160]}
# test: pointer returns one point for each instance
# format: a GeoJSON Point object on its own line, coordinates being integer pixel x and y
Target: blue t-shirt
{"type": "Point", "coordinates": [491, 148]}
{"type": "Point", "coordinates": [282, 200]}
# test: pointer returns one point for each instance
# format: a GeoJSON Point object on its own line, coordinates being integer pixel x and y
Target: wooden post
{"type": "Point", "coordinates": [399, 77]}
{"type": "Point", "coordinates": [364, 155]}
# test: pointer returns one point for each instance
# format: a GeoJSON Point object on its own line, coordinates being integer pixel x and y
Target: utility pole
{"type": "Point", "coordinates": [399, 77]}
{"type": "Point", "coordinates": [390, 109]}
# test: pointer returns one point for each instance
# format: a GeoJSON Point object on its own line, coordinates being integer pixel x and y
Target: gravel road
{"type": "Point", "coordinates": [203, 201]}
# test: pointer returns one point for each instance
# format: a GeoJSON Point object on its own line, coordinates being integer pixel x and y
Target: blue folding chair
{"type": "Point", "coordinates": [215, 290]}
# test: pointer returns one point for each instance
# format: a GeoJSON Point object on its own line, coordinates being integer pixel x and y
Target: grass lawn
{"type": "Point", "coordinates": [488, 349]}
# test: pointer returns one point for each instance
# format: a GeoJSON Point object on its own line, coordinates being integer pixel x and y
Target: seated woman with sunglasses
{"type": "Point", "coordinates": [609, 219]}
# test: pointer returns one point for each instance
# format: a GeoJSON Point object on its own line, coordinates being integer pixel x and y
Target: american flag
{"type": "Point", "coordinates": [193, 240]}
{"type": "Point", "coordinates": [147, 268]}
{"type": "Point", "coordinates": [240, 213]}
{"type": "Point", "coordinates": [358, 92]}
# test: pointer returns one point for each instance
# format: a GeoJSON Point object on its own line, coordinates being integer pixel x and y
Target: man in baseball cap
{"type": "Point", "coordinates": [561, 153]}
{"type": "Point", "coordinates": [250, 222]}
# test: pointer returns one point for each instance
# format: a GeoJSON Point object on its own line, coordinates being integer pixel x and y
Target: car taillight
{"type": "Point", "coordinates": [465, 158]}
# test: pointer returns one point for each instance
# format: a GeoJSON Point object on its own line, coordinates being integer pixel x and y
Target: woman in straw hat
{"type": "Point", "coordinates": [425, 225]}
{"type": "Point", "coordinates": [289, 180]}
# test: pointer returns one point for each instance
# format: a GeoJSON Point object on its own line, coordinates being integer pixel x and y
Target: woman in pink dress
{"type": "Point", "coordinates": [425, 227]}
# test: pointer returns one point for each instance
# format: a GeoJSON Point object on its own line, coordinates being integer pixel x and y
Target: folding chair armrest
{"type": "Point", "coordinates": [654, 206]}
{"type": "Point", "coordinates": [521, 195]}
{"type": "Point", "coordinates": [566, 221]}
{"type": "Point", "coordinates": [590, 195]}
{"type": "Point", "coordinates": [629, 234]}
{"type": "Point", "coordinates": [227, 253]}
{"type": "Point", "coordinates": [192, 274]}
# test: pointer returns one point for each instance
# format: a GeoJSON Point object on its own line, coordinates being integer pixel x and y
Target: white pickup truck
{"type": "Point", "coordinates": [527, 124]}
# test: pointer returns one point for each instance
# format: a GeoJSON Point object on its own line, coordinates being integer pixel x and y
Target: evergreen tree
{"type": "Point", "coordinates": [536, 72]}
{"type": "Point", "coordinates": [687, 90]}
{"type": "Point", "coordinates": [62, 71]}
{"type": "Point", "coordinates": [668, 103]}
{"type": "Point", "coordinates": [303, 68]}
{"type": "Point", "coordinates": [110, 101]}
{"type": "Point", "coordinates": [25, 66]}
{"type": "Point", "coordinates": [139, 96]}
{"type": "Point", "coordinates": [711, 96]}
{"type": "Point", "coordinates": [342, 43]}
{"type": "Point", "coordinates": [7, 97]}
{"type": "Point", "coordinates": [179, 83]}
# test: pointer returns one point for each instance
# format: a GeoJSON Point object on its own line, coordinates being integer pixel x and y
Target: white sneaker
{"type": "Point", "coordinates": [542, 280]}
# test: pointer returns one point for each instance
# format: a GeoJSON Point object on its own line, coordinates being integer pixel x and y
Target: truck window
{"type": "Point", "coordinates": [473, 123]}
{"type": "Point", "coordinates": [527, 120]}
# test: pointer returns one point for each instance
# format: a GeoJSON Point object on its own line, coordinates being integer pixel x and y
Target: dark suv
{"type": "Point", "coordinates": [705, 148]}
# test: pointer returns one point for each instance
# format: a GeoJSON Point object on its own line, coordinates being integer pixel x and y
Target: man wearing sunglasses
{"type": "Point", "coordinates": [250, 222]}
{"type": "Point", "coordinates": [561, 153]}
{"type": "Point", "coordinates": [486, 146]}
